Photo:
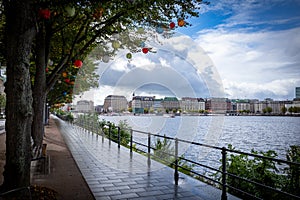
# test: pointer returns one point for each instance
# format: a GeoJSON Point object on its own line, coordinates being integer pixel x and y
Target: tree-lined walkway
{"type": "Point", "coordinates": [114, 173]}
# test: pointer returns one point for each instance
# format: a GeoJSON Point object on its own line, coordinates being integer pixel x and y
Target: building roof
{"type": "Point", "coordinates": [170, 99]}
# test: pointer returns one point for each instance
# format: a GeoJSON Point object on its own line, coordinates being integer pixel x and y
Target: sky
{"type": "Point", "coordinates": [235, 49]}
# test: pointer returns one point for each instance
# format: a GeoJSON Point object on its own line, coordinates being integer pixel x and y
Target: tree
{"type": "Point", "coordinates": [283, 109]}
{"type": "Point", "coordinates": [269, 109]}
{"type": "Point", "coordinates": [63, 31]}
{"type": "Point", "coordinates": [294, 109]}
{"type": "Point", "coordinates": [20, 30]}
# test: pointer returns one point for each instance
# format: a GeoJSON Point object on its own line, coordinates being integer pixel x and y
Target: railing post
{"type": "Point", "coordinates": [224, 174]}
{"type": "Point", "coordinates": [97, 129]}
{"type": "Point", "coordinates": [119, 137]}
{"type": "Point", "coordinates": [102, 132]}
{"type": "Point", "coordinates": [149, 149]}
{"type": "Point", "coordinates": [89, 125]}
{"type": "Point", "coordinates": [131, 138]}
{"type": "Point", "coordinates": [84, 122]}
{"type": "Point", "coordinates": [109, 132]}
{"type": "Point", "coordinates": [176, 175]}
{"type": "Point", "coordinates": [93, 128]}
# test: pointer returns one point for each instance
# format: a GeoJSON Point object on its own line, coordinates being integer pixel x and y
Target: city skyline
{"type": "Point", "coordinates": [204, 98]}
{"type": "Point", "coordinates": [253, 46]}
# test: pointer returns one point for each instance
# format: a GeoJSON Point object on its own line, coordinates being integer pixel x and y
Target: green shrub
{"type": "Point", "coordinates": [263, 171]}
{"type": "Point", "coordinates": [164, 153]}
{"type": "Point", "coordinates": [293, 172]}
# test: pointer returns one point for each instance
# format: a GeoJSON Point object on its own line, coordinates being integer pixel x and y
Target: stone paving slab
{"type": "Point", "coordinates": [115, 173]}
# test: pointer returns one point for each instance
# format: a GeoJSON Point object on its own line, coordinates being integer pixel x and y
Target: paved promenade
{"type": "Point", "coordinates": [113, 173]}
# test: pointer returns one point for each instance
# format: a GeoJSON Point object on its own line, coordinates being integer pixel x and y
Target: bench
{"type": "Point", "coordinates": [40, 161]}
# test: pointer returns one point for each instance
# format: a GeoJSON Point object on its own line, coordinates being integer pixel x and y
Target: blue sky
{"type": "Point", "coordinates": [255, 46]}
{"type": "Point", "coordinates": [251, 50]}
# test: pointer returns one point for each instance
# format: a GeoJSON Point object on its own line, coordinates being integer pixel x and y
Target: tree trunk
{"type": "Point", "coordinates": [39, 95]}
{"type": "Point", "coordinates": [20, 31]}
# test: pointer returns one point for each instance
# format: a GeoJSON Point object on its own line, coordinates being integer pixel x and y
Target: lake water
{"type": "Point", "coordinates": [260, 133]}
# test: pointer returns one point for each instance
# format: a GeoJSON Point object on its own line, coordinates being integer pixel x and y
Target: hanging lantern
{"type": "Point", "coordinates": [159, 30]}
{"type": "Point", "coordinates": [105, 59]}
{"type": "Point", "coordinates": [181, 22]}
{"type": "Point", "coordinates": [78, 63]}
{"type": "Point", "coordinates": [70, 11]}
{"type": "Point", "coordinates": [72, 83]}
{"type": "Point", "coordinates": [44, 13]}
{"type": "Point", "coordinates": [67, 80]}
{"type": "Point", "coordinates": [172, 25]}
{"type": "Point", "coordinates": [47, 69]}
{"type": "Point", "coordinates": [64, 74]}
{"type": "Point", "coordinates": [65, 93]}
{"type": "Point", "coordinates": [145, 50]}
{"type": "Point", "coordinates": [128, 55]}
{"type": "Point", "coordinates": [142, 44]}
{"type": "Point", "coordinates": [50, 62]}
{"type": "Point", "coordinates": [140, 30]}
{"type": "Point", "coordinates": [116, 44]}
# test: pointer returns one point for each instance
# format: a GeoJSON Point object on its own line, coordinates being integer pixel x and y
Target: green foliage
{"type": "Point", "coordinates": [93, 29]}
{"type": "Point", "coordinates": [124, 132]}
{"type": "Point", "coordinates": [267, 110]}
{"type": "Point", "coordinates": [164, 153]}
{"type": "Point", "coordinates": [294, 109]}
{"type": "Point", "coordinates": [293, 172]}
{"type": "Point", "coordinates": [91, 122]}
{"type": "Point", "coordinates": [68, 116]}
{"type": "Point", "coordinates": [263, 171]}
{"type": "Point", "coordinates": [184, 166]}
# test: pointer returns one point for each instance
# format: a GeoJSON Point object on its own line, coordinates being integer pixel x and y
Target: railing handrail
{"type": "Point", "coordinates": [218, 148]}
{"type": "Point", "coordinates": [223, 150]}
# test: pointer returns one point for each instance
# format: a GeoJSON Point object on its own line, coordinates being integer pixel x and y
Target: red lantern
{"type": "Point", "coordinates": [172, 25]}
{"type": "Point", "coordinates": [44, 13]}
{"type": "Point", "coordinates": [78, 63]}
{"type": "Point", "coordinates": [47, 69]}
{"type": "Point", "coordinates": [145, 50]}
{"type": "Point", "coordinates": [67, 80]}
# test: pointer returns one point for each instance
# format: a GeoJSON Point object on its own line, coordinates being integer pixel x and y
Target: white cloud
{"type": "Point", "coordinates": [164, 62]}
{"type": "Point", "coordinates": [141, 60]}
{"type": "Point", "coordinates": [121, 65]}
{"type": "Point", "coordinates": [277, 89]}
{"type": "Point", "coordinates": [255, 61]}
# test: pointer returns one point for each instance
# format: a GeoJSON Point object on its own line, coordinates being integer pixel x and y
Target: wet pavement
{"type": "Point", "coordinates": [115, 173]}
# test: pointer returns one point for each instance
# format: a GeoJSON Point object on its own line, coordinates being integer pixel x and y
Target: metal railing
{"type": "Point", "coordinates": [146, 148]}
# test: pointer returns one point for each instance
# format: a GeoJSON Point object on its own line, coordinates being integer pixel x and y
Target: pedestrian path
{"type": "Point", "coordinates": [115, 173]}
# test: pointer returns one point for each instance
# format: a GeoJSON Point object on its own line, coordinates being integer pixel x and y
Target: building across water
{"type": "Point", "coordinates": [213, 105]}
